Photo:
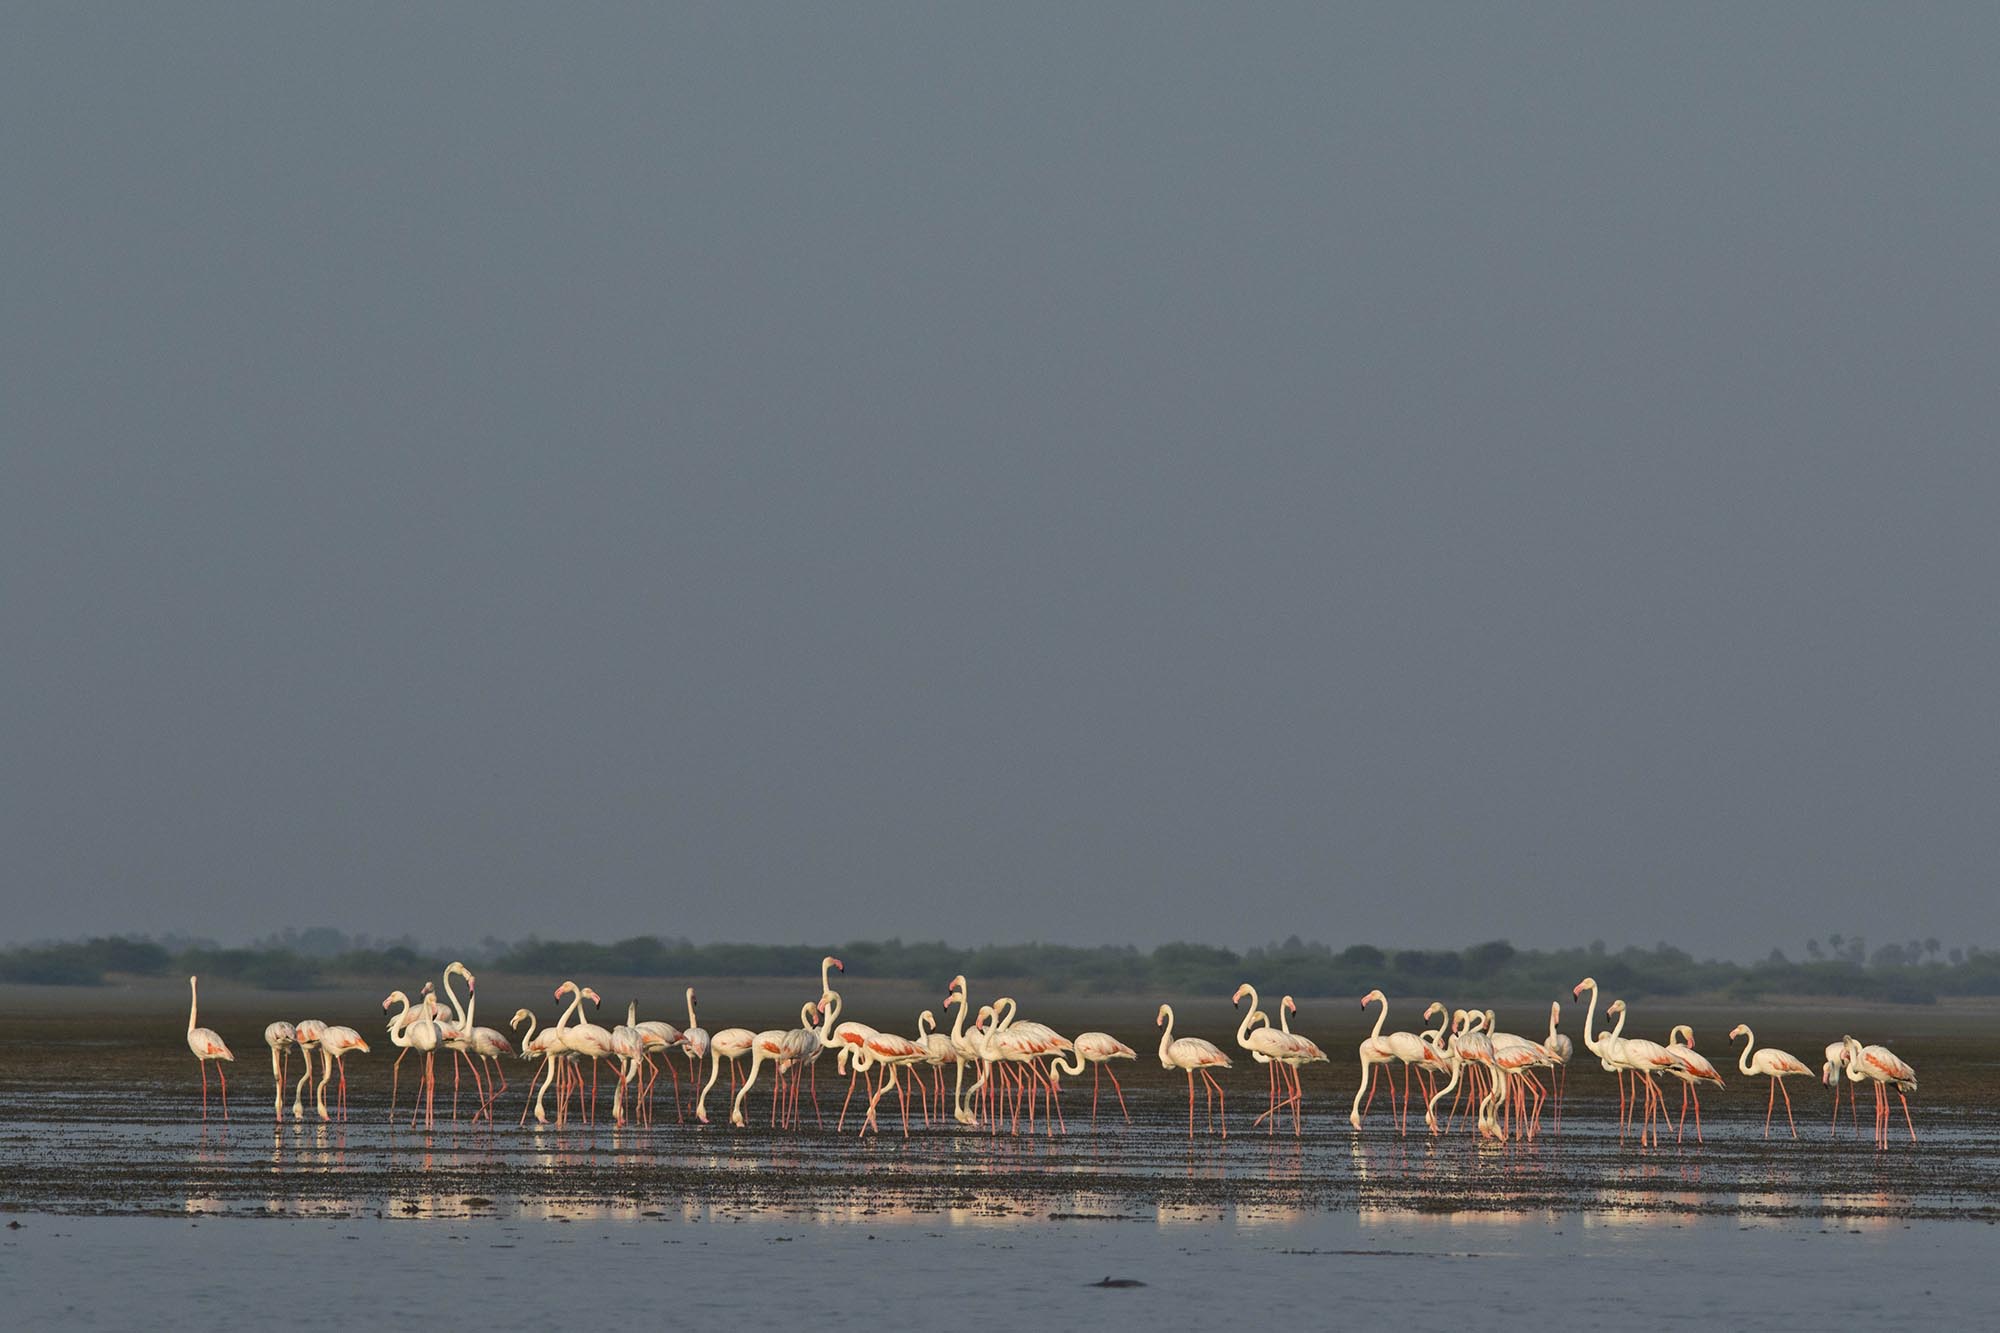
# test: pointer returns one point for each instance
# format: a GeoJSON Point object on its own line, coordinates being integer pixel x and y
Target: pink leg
{"type": "Point", "coordinates": [1121, 1094]}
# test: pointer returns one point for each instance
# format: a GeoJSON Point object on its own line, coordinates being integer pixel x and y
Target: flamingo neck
{"type": "Point", "coordinates": [452, 995]}
{"type": "Point", "coordinates": [1250, 1017]}
{"type": "Point", "coordinates": [1591, 1043]}
{"type": "Point", "coordinates": [1555, 1015]}
{"type": "Point", "coordinates": [1381, 1018]}
{"type": "Point", "coordinates": [576, 1002]}
{"type": "Point", "coordinates": [958, 1021]}
{"type": "Point", "coordinates": [690, 997]}
{"type": "Point", "coordinates": [192, 1002]}
{"type": "Point", "coordinates": [829, 1010]}
{"type": "Point", "coordinates": [1749, 1040]}
{"type": "Point", "coordinates": [1167, 1035]}
{"type": "Point", "coordinates": [399, 1025]}
{"type": "Point", "coordinates": [1285, 1015]}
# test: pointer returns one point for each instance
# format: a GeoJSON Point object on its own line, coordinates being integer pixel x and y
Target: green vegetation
{"type": "Point", "coordinates": [1917, 972]}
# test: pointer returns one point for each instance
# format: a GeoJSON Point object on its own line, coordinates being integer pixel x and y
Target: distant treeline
{"type": "Point", "coordinates": [1915, 973]}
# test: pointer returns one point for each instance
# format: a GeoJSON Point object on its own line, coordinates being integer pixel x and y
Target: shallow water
{"type": "Point", "coordinates": [110, 1177]}
{"type": "Point", "coordinates": [1199, 1268]}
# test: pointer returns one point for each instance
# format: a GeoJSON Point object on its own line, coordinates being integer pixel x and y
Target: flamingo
{"type": "Point", "coordinates": [966, 1046]}
{"type": "Point", "coordinates": [1454, 1059]}
{"type": "Point", "coordinates": [730, 1044]}
{"type": "Point", "coordinates": [628, 1047]}
{"type": "Point", "coordinates": [662, 1036]}
{"type": "Point", "coordinates": [1644, 1059]}
{"type": "Point", "coordinates": [772, 1044]}
{"type": "Point", "coordinates": [281, 1038]}
{"type": "Point", "coordinates": [1409, 1048]}
{"type": "Point", "coordinates": [1774, 1064]}
{"type": "Point", "coordinates": [846, 1039]}
{"type": "Point", "coordinates": [1517, 1058]}
{"type": "Point", "coordinates": [694, 1041]}
{"type": "Point", "coordinates": [1602, 1045]}
{"type": "Point", "coordinates": [306, 1033]}
{"type": "Point", "coordinates": [1881, 1066]}
{"type": "Point", "coordinates": [1562, 1051]}
{"type": "Point", "coordinates": [1309, 1052]}
{"type": "Point", "coordinates": [490, 1044]}
{"type": "Point", "coordinates": [335, 1043]}
{"type": "Point", "coordinates": [1693, 1069]}
{"type": "Point", "coordinates": [939, 1052]}
{"type": "Point", "coordinates": [894, 1054]}
{"type": "Point", "coordinates": [413, 1033]}
{"type": "Point", "coordinates": [1024, 1044]}
{"type": "Point", "coordinates": [1192, 1055]}
{"type": "Point", "coordinates": [1272, 1048]}
{"type": "Point", "coordinates": [207, 1047]}
{"type": "Point", "coordinates": [555, 1052]}
{"type": "Point", "coordinates": [458, 1035]}
{"type": "Point", "coordinates": [1375, 1052]}
{"type": "Point", "coordinates": [1097, 1049]}
{"type": "Point", "coordinates": [585, 1040]}
{"type": "Point", "coordinates": [546, 1046]}
{"type": "Point", "coordinates": [1829, 1074]}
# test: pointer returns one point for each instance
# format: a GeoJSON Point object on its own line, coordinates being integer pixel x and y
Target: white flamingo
{"type": "Point", "coordinates": [1193, 1055]}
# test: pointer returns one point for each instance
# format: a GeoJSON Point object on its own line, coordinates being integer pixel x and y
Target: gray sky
{"type": "Point", "coordinates": [1119, 473]}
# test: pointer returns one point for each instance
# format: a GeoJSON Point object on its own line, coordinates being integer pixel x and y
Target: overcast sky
{"type": "Point", "coordinates": [1106, 472]}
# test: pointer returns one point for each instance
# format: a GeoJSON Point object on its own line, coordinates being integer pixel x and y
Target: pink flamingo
{"type": "Point", "coordinates": [1881, 1066]}
{"type": "Point", "coordinates": [1694, 1069]}
{"type": "Point", "coordinates": [730, 1044]}
{"type": "Point", "coordinates": [207, 1047]}
{"type": "Point", "coordinates": [1193, 1055]}
{"type": "Point", "coordinates": [1274, 1049]}
{"type": "Point", "coordinates": [1375, 1052]}
{"type": "Point", "coordinates": [281, 1039]}
{"type": "Point", "coordinates": [335, 1043]}
{"type": "Point", "coordinates": [1097, 1049]}
{"type": "Point", "coordinates": [1771, 1063]}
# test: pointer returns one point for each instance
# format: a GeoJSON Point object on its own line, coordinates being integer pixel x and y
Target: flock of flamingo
{"type": "Point", "coordinates": [1017, 1065]}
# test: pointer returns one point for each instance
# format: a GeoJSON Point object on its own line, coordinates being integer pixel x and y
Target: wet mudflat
{"type": "Point", "coordinates": [97, 1147]}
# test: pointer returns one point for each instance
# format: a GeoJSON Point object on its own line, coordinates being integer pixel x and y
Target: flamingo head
{"type": "Point", "coordinates": [592, 996]}
{"type": "Point", "coordinates": [1588, 983]}
{"type": "Point", "coordinates": [1737, 1031]}
{"type": "Point", "coordinates": [1437, 1007]}
{"type": "Point", "coordinates": [957, 983]}
{"type": "Point", "coordinates": [1289, 1005]}
{"type": "Point", "coordinates": [1615, 1007]}
{"type": "Point", "coordinates": [1241, 991]}
{"type": "Point", "coordinates": [392, 997]}
{"type": "Point", "coordinates": [952, 999]}
{"type": "Point", "coordinates": [565, 989]}
{"type": "Point", "coordinates": [1164, 1014]}
{"type": "Point", "coordinates": [520, 1016]}
{"type": "Point", "coordinates": [834, 963]}
{"type": "Point", "coordinates": [1372, 997]}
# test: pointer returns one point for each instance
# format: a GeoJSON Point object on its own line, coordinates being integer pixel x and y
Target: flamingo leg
{"type": "Point", "coordinates": [1906, 1114]}
{"type": "Point", "coordinates": [1788, 1107]}
{"type": "Point", "coordinates": [1770, 1101]}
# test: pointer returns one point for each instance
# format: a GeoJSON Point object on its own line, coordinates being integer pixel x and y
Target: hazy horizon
{"type": "Point", "coordinates": [1124, 473]}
